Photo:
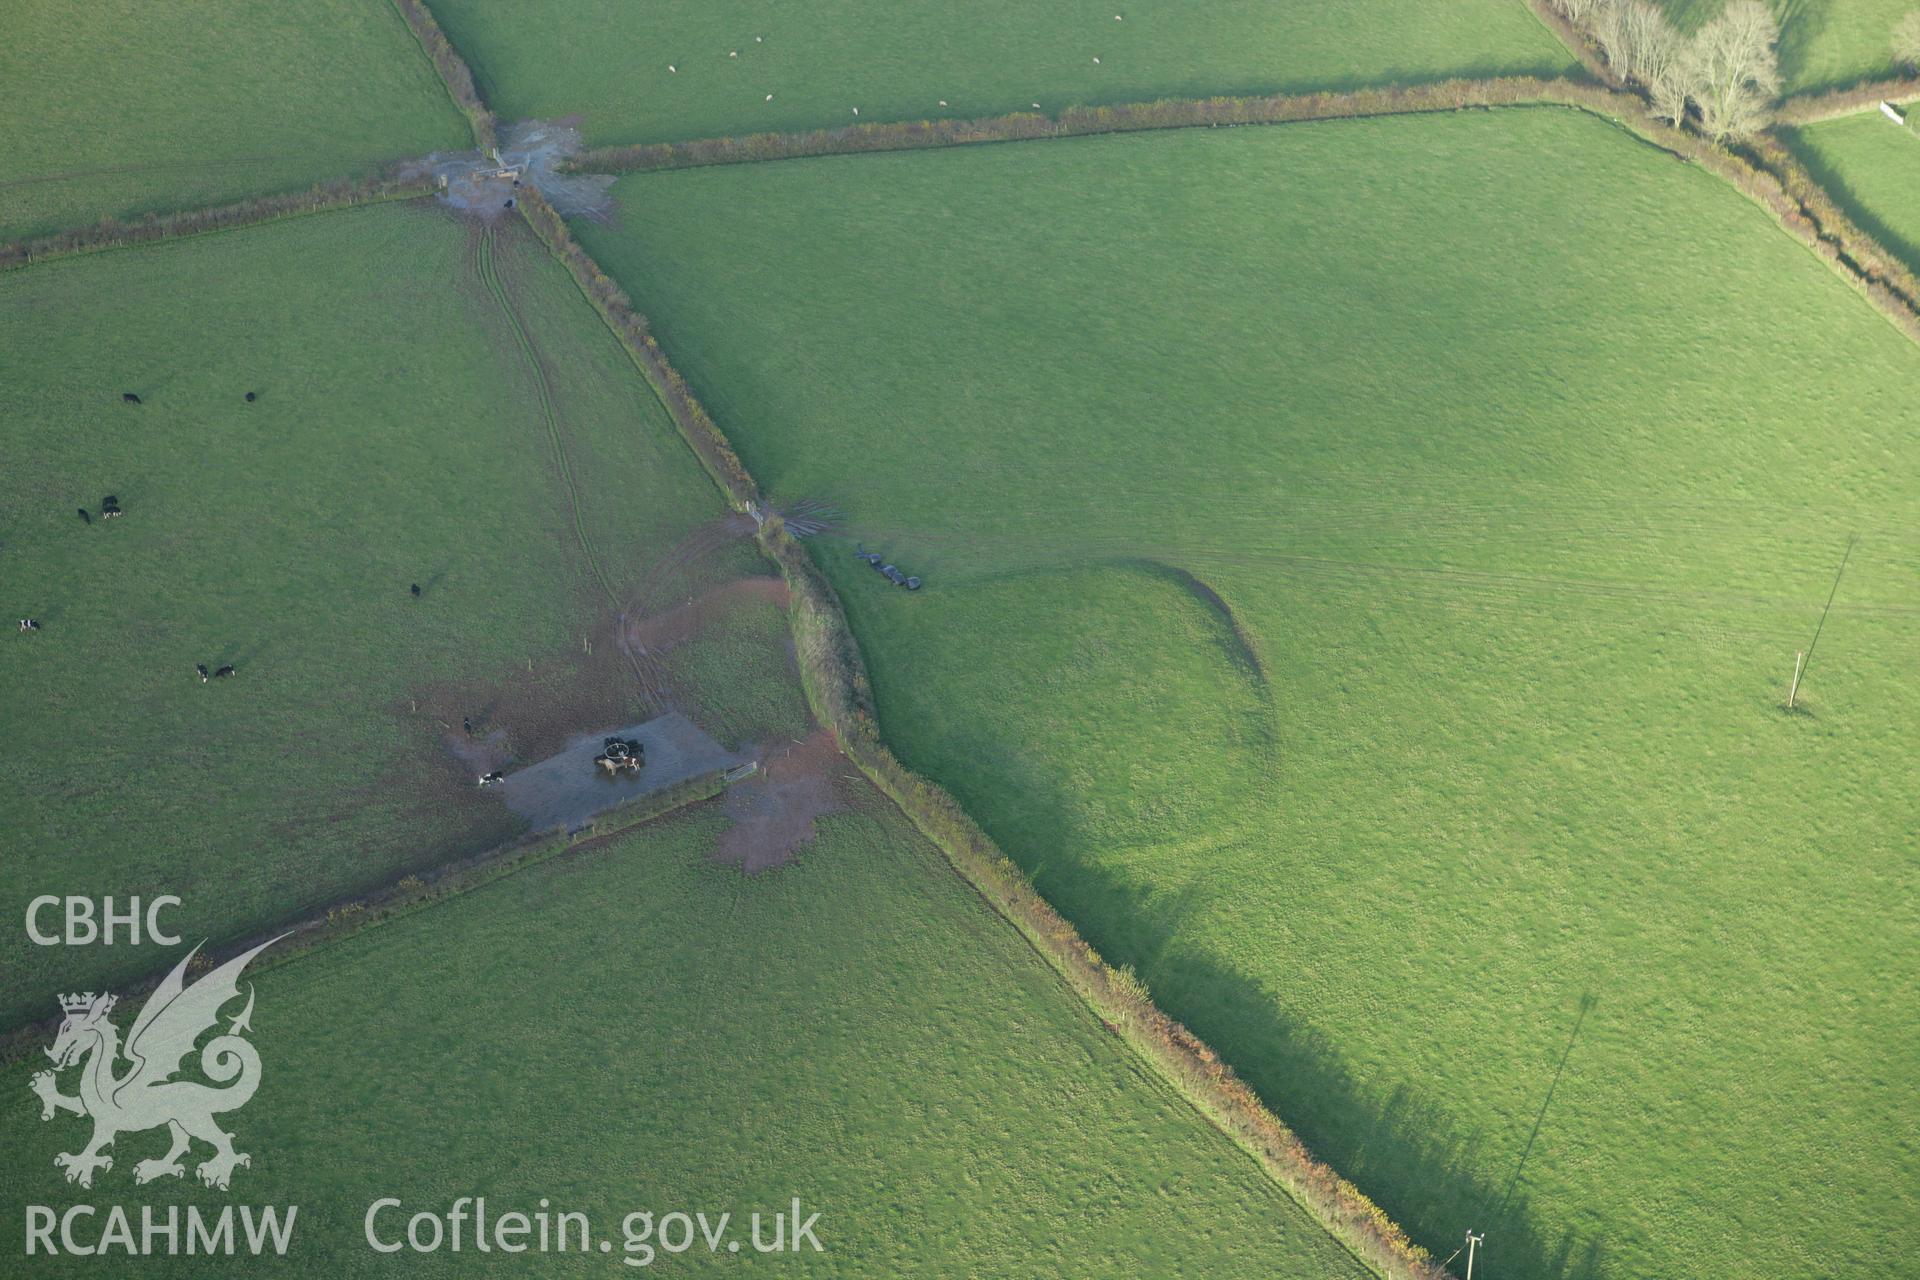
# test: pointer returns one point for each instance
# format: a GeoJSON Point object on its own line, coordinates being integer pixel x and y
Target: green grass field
{"type": "Point", "coordinates": [1823, 43]}
{"type": "Point", "coordinates": [1366, 606]}
{"type": "Point", "coordinates": [822, 60]}
{"type": "Point", "coordinates": [1871, 167]}
{"type": "Point", "coordinates": [129, 106]}
{"type": "Point", "coordinates": [633, 1027]}
{"type": "Point", "coordinates": [398, 437]}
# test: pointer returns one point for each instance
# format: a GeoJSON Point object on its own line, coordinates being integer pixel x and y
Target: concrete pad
{"type": "Point", "coordinates": [567, 790]}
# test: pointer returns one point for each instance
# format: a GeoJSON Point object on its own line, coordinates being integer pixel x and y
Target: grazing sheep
{"type": "Point", "coordinates": [84, 516]}
{"type": "Point", "coordinates": [129, 397]}
{"type": "Point", "coordinates": [201, 667]}
{"type": "Point", "coordinates": [249, 397]}
{"type": "Point", "coordinates": [28, 624]}
{"type": "Point", "coordinates": [222, 673]}
{"type": "Point", "coordinates": [416, 591]}
{"type": "Point", "coordinates": [673, 68]}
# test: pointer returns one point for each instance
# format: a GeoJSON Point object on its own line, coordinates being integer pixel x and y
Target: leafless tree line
{"type": "Point", "coordinates": [1727, 73]}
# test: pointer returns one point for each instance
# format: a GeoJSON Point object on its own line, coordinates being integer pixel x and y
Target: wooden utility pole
{"type": "Point", "coordinates": [1793, 690]}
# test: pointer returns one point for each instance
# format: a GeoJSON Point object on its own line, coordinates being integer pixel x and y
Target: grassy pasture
{"type": "Point", "coordinates": [608, 59]}
{"type": "Point", "coordinates": [856, 1029]}
{"type": "Point", "coordinates": [1374, 629]}
{"type": "Point", "coordinates": [1823, 43]}
{"type": "Point", "coordinates": [1871, 167]}
{"type": "Point", "coordinates": [129, 106]}
{"type": "Point", "coordinates": [398, 437]}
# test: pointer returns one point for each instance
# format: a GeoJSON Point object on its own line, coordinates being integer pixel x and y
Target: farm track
{"type": "Point", "coordinates": [647, 672]}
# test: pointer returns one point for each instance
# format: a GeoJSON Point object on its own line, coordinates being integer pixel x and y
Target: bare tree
{"type": "Point", "coordinates": [1638, 41]}
{"type": "Point", "coordinates": [1671, 90]}
{"type": "Point", "coordinates": [1735, 70]}
{"type": "Point", "coordinates": [1577, 10]}
{"type": "Point", "coordinates": [1906, 41]}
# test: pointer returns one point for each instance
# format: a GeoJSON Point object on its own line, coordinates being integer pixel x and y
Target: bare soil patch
{"type": "Point", "coordinates": [530, 710]}
{"type": "Point", "coordinates": [773, 812]}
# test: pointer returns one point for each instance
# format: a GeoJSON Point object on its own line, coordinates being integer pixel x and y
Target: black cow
{"type": "Point", "coordinates": [466, 722]}
{"type": "Point", "coordinates": [109, 507]}
{"type": "Point", "coordinates": [129, 397]}
{"type": "Point", "coordinates": [249, 397]}
{"type": "Point", "coordinates": [223, 672]}
{"type": "Point", "coordinates": [201, 667]}
{"type": "Point", "coordinates": [416, 591]}
{"type": "Point", "coordinates": [84, 516]}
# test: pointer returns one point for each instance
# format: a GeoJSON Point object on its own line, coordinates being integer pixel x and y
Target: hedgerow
{"type": "Point", "coordinates": [453, 69]}
{"type": "Point", "coordinates": [112, 233]}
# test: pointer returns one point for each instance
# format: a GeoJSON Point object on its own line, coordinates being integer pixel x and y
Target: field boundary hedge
{"type": "Point", "coordinates": [455, 74]}
{"type": "Point", "coordinates": [112, 233]}
{"type": "Point", "coordinates": [1811, 108]}
{"type": "Point", "coordinates": [835, 681]}
{"type": "Point", "coordinates": [1764, 170]}
{"type": "Point", "coordinates": [1078, 122]}
{"type": "Point", "coordinates": [411, 893]}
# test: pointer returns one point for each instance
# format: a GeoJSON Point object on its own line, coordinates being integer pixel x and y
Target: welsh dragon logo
{"type": "Point", "coordinates": [145, 1095]}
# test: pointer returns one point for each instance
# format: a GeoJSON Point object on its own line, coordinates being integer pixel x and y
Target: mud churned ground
{"type": "Point", "coordinates": [773, 811]}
